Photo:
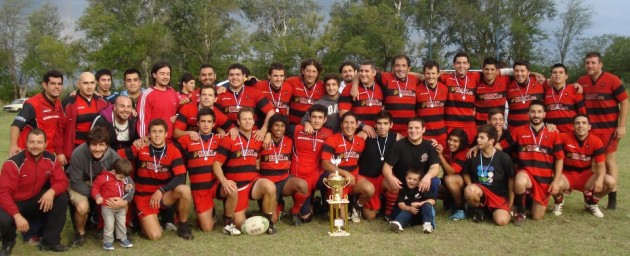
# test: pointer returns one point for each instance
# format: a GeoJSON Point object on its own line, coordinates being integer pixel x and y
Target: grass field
{"type": "Point", "coordinates": [574, 233]}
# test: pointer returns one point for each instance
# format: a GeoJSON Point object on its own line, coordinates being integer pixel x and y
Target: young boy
{"type": "Point", "coordinates": [414, 205]}
{"type": "Point", "coordinates": [116, 183]}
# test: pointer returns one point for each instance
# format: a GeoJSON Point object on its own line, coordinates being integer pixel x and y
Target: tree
{"type": "Point", "coordinates": [11, 41]}
{"type": "Point", "coordinates": [617, 56]}
{"type": "Point", "coordinates": [575, 20]}
{"type": "Point", "coordinates": [524, 26]}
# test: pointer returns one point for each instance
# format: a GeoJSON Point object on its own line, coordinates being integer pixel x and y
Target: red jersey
{"type": "Point", "coordinates": [153, 169]}
{"type": "Point", "coordinates": [307, 151]}
{"type": "Point", "coordinates": [490, 96]}
{"type": "Point", "coordinates": [155, 103]}
{"type": "Point", "coordinates": [579, 155]}
{"type": "Point", "coordinates": [562, 105]}
{"type": "Point", "coordinates": [430, 107]}
{"type": "Point", "coordinates": [200, 155]}
{"type": "Point", "coordinates": [303, 97]}
{"type": "Point", "coordinates": [38, 112]}
{"type": "Point", "coordinates": [455, 160]}
{"type": "Point", "coordinates": [537, 151]}
{"type": "Point", "coordinates": [459, 109]}
{"type": "Point", "coordinates": [276, 161]}
{"type": "Point", "coordinates": [349, 151]}
{"type": "Point", "coordinates": [280, 98]}
{"type": "Point", "coordinates": [239, 158]}
{"type": "Point", "coordinates": [399, 98]}
{"type": "Point", "coordinates": [370, 102]}
{"type": "Point", "coordinates": [602, 98]}
{"type": "Point", "coordinates": [231, 102]}
{"type": "Point", "coordinates": [519, 97]}
{"type": "Point", "coordinates": [187, 118]}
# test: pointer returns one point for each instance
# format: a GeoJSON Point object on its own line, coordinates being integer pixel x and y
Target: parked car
{"type": "Point", "coordinates": [15, 106]}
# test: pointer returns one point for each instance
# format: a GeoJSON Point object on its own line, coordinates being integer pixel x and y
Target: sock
{"type": "Point", "coordinates": [519, 201]}
{"type": "Point", "coordinates": [482, 201]}
{"type": "Point", "coordinates": [298, 201]}
{"type": "Point", "coordinates": [589, 197]}
{"type": "Point", "coordinates": [612, 196]}
{"type": "Point", "coordinates": [269, 217]}
{"type": "Point", "coordinates": [227, 220]}
{"type": "Point", "coordinates": [305, 209]}
{"type": "Point", "coordinates": [390, 201]}
{"type": "Point", "coordinates": [560, 198]}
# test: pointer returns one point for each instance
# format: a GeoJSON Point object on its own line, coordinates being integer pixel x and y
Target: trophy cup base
{"type": "Point", "coordinates": [339, 233]}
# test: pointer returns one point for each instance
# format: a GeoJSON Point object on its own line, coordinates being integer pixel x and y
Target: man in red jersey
{"type": "Point", "coordinates": [238, 96]}
{"type": "Point", "coordinates": [160, 178]}
{"type": "Point", "coordinates": [277, 91]}
{"type": "Point", "coordinates": [430, 100]}
{"type": "Point", "coordinates": [369, 101]}
{"type": "Point", "coordinates": [562, 101]}
{"type": "Point", "coordinates": [521, 92]}
{"type": "Point", "coordinates": [540, 159]}
{"type": "Point", "coordinates": [41, 111]}
{"type": "Point", "coordinates": [200, 155]}
{"type": "Point", "coordinates": [348, 147]}
{"type": "Point", "coordinates": [491, 90]}
{"type": "Point", "coordinates": [452, 159]}
{"type": "Point", "coordinates": [186, 122]}
{"type": "Point", "coordinates": [160, 101]}
{"type": "Point", "coordinates": [606, 103]}
{"type": "Point", "coordinates": [307, 154]}
{"type": "Point", "coordinates": [306, 89]}
{"type": "Point", "coordinates": [235, 167]}
{"type": "Point", "coordinates": [584, 168]}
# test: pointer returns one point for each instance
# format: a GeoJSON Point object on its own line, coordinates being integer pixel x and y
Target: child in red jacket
{"type": "Point", "coordinates": [111, 184]}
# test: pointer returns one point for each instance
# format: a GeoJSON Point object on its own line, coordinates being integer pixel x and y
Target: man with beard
{"type": "Point", "coordinates": [119, 122]}
{"type": "Point", "coordinates": [347, 71]}
{"type": "Point", "coordinates": [368, 103]}
{"type": "Point", "coordinates": [133, 87]}
{"type": "Point", "coordinates": [160, 101]}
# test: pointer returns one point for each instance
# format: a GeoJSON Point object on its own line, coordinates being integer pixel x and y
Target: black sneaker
{"type": "Point", "coordinates": [478, 215]}
{"type": "Point", "coordinates": [7, 247]}
{"type": "Point", "coordinates": [184, 230]}
{"type": "Point", "coordinates": [79, 240]}
{"type": "Point", "coordinates": [55, 248]}
{"type": "Point", "coordinates": [296, 220]}
{"type": "Point", "coordinates": [612, 204]}
{"type": "Point", "coordinates": [272, 229]}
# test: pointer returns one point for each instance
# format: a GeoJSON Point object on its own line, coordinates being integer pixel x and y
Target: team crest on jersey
{"type": "Point", "coordinates": [348, 155]}
{"type": "Point", "coordinates": [490, 96]}
{"type": "Point", "coordinates": [424, 157]}
{"type": "Point", "coordinates": [372, 102]}
{"type": "Point", "coordinates": [246, 153]}
{"type": "Point", "coordinates": [579, 157]}
{"type": "Point", "coordinates": [152, 166]}
{"type": "Point", "coordinates": [272, 158]}
{"type": "Point", "coordinates": [593, 96]}
{"type": "Point", "coordinates": [200, 154]}
{"type": "Point", "coordinates": [434, 104]}
{"type": "Point", "coordinates": [533, 148]}
{"type": "Point", "coordinates": [558, 106]}
{"type": "Point", "coordinates": [457, 89]}
{"type": "Point", "coordinates": [524, 98]}
{"type": "Point", "coordinates": [404, 93]}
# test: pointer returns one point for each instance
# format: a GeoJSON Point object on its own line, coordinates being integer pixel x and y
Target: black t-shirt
{"type": "Point", "coordinates": [370, 164]}
{"type": "Point", "coordinates": [412, 195]}
{"type": "Point", "coordinates": [494, 173]}
{"type": "Point", "coordinates": [405, 155]}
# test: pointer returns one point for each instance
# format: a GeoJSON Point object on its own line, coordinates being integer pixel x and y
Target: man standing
{"type": "Point", "coordinates": [276, 90]}
{"type": "Point", "coordinates": [207, 77]}
{"type": "Point", "coordinates": [104, 85]}
{"type": "Point", "coordinates": [431, 97]}
{"type": "Point", "coordinates": [520, 93]}
{"type": "Point", "coordinates": [330, 101]}
{"type": "Point", "coordinates": [491, 91]}
{"type": "Point", "coordinates": [306, 89]}
{"type": "Point", "coordinates": [133, 87]}
{"type": "Point", "coordinates": [606, 103]}
{"type": "Point", "coordinates": [347, 71]}
{"type": "Point", "coordinates": [369, 101]}
{"type": "Point", "coordinates": [33, 186]}
{"type": "Point", "coordinates": [459, 108]}
{"type": "Point", "coordinates": [41, 111]}
{"type": "Point", "coordinates": [562, 101]}
{"type": "Point", "coordinates": [160, 101]}
{"type": "Point", "coordinates": [119, 122]}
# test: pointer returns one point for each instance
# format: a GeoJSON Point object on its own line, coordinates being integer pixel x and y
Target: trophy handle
{"type": "Point", "coordinates": [347, 182]}
{"type": "Point", "coordinates": [325, 181]}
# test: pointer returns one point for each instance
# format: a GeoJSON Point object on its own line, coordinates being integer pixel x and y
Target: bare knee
{"type": "Point", "coordinates": [154, 235]}
{"type": "Point", "coordinates": [83, 208]}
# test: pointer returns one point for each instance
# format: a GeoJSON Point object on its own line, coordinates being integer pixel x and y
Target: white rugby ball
{"type": "Point", "coordinates": [254, 226]}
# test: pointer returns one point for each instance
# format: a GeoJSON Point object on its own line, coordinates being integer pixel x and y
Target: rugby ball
{"type": "Point", "coordinates": [254, 226]}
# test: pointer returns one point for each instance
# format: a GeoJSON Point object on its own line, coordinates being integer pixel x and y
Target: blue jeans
{"type": "Point", "coordinates": [406, 218]}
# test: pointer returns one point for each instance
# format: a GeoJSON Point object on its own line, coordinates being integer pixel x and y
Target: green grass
{"type": "Point", "coordinates": [575, 232]}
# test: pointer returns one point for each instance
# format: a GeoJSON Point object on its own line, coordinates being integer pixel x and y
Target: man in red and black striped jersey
{"type": "Point", "coordinates": [235, 167]}
{"type": "Point", "coordinates": [459, 109]}
{"type": "Point", "coordinates": [431, 97]}
{"type": "Point", "coordinates": [187, 89]}
{"type": "Point", "coordinates": [307, 154]}
{"type": "Point", "coordinates": [348, 147]}
{"type": "Point", "coordinates": [187, 123]}
{"type": "Point", "coordinates": [540, 159]}
{"type": "Point", "coordinates": [238, 96]}
{"type": "Point", "coordinates": [275, 163]}
{"type": "Point", "coordinates": [80, 110]}
{"type": "Point", "coordinates": [41, 111]}
{"type": "Point", "coordinates": [276, 90]}
{"type": "Point", "coordinates": [452, 159]}
{"type": "Point", "coordinates": [491, 90]}
{"type": "Point", "coordinates": [496, 119]}
{"type": "Point", "coordinates": [562, 101]}
{"type": "Point", "coordinates": [160, 178]}
{"type": "Point", "coordinates": [200, 155]}
{"type": "Point", "coordinates": [520, 93]}
{"type": "Point", "coordinates": [306, 89]}
{"type": "Point", "coordinates": [584, 168]}
{"type": "Point", "coordinates": [368, 103]}
{"type": "Point", "coordinates": [606, 102]}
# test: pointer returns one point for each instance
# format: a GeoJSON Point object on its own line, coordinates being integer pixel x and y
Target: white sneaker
{"type": "Point", "coordinates": [231, 230]}
{"type": "Point", "coordinates": [355, 216]}
{"type": "Point", "coordinates": [170, 227]}
{"type": "Point", "coordinates": [395, 226]}
{"type": "Point", "coordinates": [557, 208]}
{"type": "Point", "coordinates": [594, 209]}
{"type": "Point", "coordinates": [427, 228]}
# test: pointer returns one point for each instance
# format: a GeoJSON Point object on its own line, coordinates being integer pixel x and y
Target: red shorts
{"type": "Point", "coordinates": [204, 199]}
{"type": "Point", "coordinates": [244, 195]}
{"type": "Point", "coordinates": [577, 180]}
{"type": "Point", "coordinates": [610, 143]}
{"type": "Point", "coordinates": [143, 206]}
{"type": "Point", "coordinates": [311, 180]}
{"type": "Point", "coordinates": [375, 201]}
{"type": "Point", "coordinates": [494, 201]}
{"type": "Point", "coordinates": [471, 132]}
{"type": "Point", "coordinates": [539, 190]}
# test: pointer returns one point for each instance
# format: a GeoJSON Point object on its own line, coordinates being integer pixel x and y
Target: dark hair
{"type": "Point", "coordinates": [463, 138]}
{"type": "Point", "coordinates": [417, 119]}
{"type": "Point", "coordinates": [98, 134]}
{"type": "Point", "coordinates": [488, 130]}
{"type": "Point", "coordinates": [370, 63]}
{"type": "Point", "coordinates": [158, 122]}
{"type": "Point", "coordinates": [205, 87]}
{"type": "Point", "coordinates": [243, 110]}
{"type": "Point", "coordinates": [275, 66]}
{"type": "Point", "coordinates": [206, 111]}
{"type": "Point", "coordinates": [347, 63]}
{"type": "Point", "coordinates": [240, 67]}
{"type": "Point", "coordinates": [559, 65]}
{"type": "Point", "coordinates": [102, 72]}
{"type": "Point", "coordinates": [122, 166]}
{"type": "Point", "coordinates": [206, 66]}
{"type": "Point", "coordinates": [536, 102]}
{"type": "Point", "coordinates": [495, 111]}
{"type": "Point", "coordinates": [130, 71]}
{"type": "Point", "coordinates": [186, 77]}
{"type": "Point", "coordinates": [461, 54]}
{"type": "Point", "coordinates": [521, 62]}
{"type": "Point", "coordinates": [318, 108]}
{"type": "Point", "coordinates": [158, 66]}
{"type": "Point", "coordinates": [413, 171]}
{"type": "Point", "coordinates": [347, 114]}
{"type": "Point", "coordinates": [279, 118]}
{"type": "Point", "coordinates": [37, 131]}
{"type": "Point", "coordinates": [490, 61]}
{"type": "Point", "coordinates": [582, 115]}
{"type": "Point", "coordinates": [430, 64]}
{"type": "Point", "coordinates": [401, 56]}
{"type": "Point", "coordinates": [384, 114]}
{"type": "Point", "coordinates": [594, 54]}
{"type": "Point", "coordinates": [52, 73]}
{"type": "Point", "coordinates": [314, 62]}
{"type": "Point", "coordinates": [332, 76]}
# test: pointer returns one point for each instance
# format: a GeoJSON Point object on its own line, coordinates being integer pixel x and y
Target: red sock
{"type": "Point", "coordinates": [298, 201]}
{"type": "Point", "coordinates": [390, 201]}
{"type": "Point", "coordinates": [589, 197]}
